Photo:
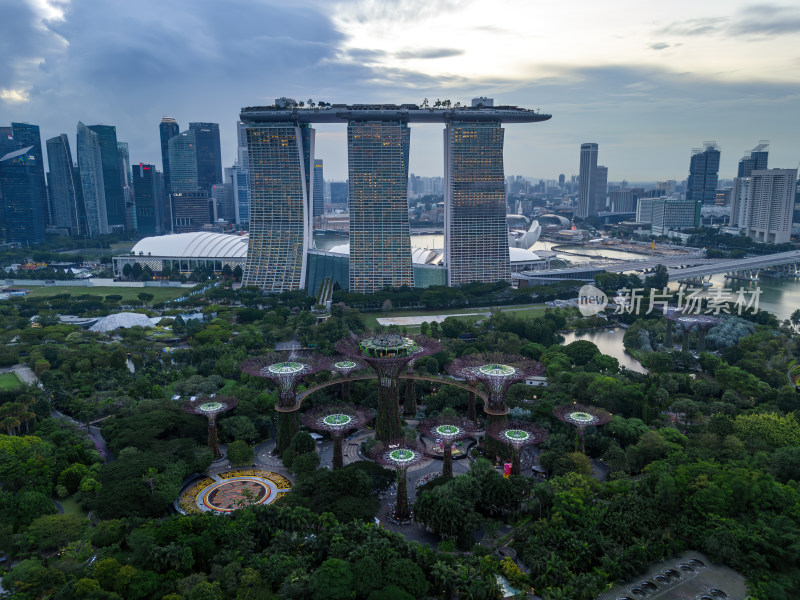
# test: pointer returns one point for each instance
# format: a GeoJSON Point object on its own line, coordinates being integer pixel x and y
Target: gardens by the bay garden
{"type": "Point", "coordinates": [226, 469]}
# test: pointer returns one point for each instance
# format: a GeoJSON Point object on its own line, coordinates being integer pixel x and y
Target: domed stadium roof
{"type": "Point", "coordinates": [200, 244]}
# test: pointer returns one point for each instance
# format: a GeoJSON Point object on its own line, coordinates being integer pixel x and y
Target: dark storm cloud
{"type": "Point", "coordinates": [429, 53]}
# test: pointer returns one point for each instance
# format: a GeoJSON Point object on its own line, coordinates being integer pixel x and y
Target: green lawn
{"type": "Point", "coordinates": [71, 507]}
{"type": "Point", "coordinates": [9, 382]}
{"type": "Point", "coordinates": [127, 293]}
{"type": "Point", "coordinates": [524, 310]}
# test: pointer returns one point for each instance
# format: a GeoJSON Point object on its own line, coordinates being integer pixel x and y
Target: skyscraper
{"type": "Point", "coordinates": [127, 187]}
{"type": "Point", "coordinates": [739, 204]}
{"type": "Point", "coordinates": [90, 164]}
{"type": "Point", "coordinates": [380, 245]}
{"type": "Point", "coordinates": [222, 199]}
{"type": "Point", "coordinates": [208, 155]}
{"type": "Point", "coordinates": [280, 158]}
{"type": "Point", "coordinates": [22, 136]}
{"type": "Point", "coordinates": [600, 188]}
{"type": "Point", "coordinates": [704, 174]}
{"type": "Point", "coordinates": [183, 162]}
{"type": "Point", "coordinates": [586, 192]}
{"type": "Point", "coordinates": [168, 128]}
{"type": "Point", "coordinates": [112, 176]}
{"type": "Point", "coordinates": [145, 183]}
{"type": "Point", "coordinates": [23, 211]}
{"type": "Point", "coordinates": [755, 160]}
{"type": "Point", "coordinates": [67, 210]}
{"type": "Point", "coordinates": [240, 178]}
{"type": "Point", "coordinates": [770, 205]}
{"type": "Point", "coordinates": [319, 189]}
{"type": "Point", "coordinates": [476, 233]}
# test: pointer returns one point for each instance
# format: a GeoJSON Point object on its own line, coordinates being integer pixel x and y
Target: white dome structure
{"type": "Point", "coordinates": [123, 320]}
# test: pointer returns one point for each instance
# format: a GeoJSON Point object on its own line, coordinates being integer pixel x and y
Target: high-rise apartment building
{"type": "Point", "coordinates": [380, 244]}
{"type": "Point", "coordinates": [90, 164]}
{"type": "Point", "coordinates": [770, 205]}
{"type": "Point", "coordinates": [704, 174]}
{"type": "Point", "coordinates": [146, 182]}
{"type": "Point", "coordinates": [207, 154]}
{"type": "Point", "coordinates": [319, 189]}
{"type": "Point", "coordinates": [168, 129]}
{"type": "Point", "coordinates": [755, 160]}
{"type": "Point", "coordinates": [23, 212]}
{"type": "Point", "coordinates": [66, 204]}
{"type": "Point", "coordinates": [476, 232]}
{"type": "Point", "coordinates": [280, 158]}
{"type": "Point", "coordinates": [586, 189]}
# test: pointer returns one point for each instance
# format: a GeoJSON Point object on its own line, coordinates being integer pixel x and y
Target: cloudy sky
{"type": "Point", "coordinates": [647, 81]}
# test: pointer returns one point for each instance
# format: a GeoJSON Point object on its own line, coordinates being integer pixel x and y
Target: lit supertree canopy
{"type": "Point", "coordinates": [285, 371]}
{"type": "Point", "coordinates": [336, 419]}
{"type": "Point", "coordinates": [517, 434]}
{"type": "Point", "coordinates": [497, 372]}
{"type": "Point", "coordinates": [387, 354]}
{"type": "Point", "coordinates": [399, 454]}
{"type": "Point", "coordinates": [448, 430]}
{"type": "Point", "coordinates": [345, 366]}
{"type": "Point", "coordinates": [210, 407]}
{"type": "Point", "coordinates": [581, 417]}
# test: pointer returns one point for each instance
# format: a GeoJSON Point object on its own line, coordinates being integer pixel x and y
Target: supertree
{"type": "Point", "coordinates": [336, 419]}
{"type": "Point", "coordinates": [581, 417]}
{"type": "Point", "coordinates": [410, 403]}
{"type": "Point", "coordinates": [345, 368]}
{"type": "Point", "coordinates": [210, 408]}
{"type": "Point", "coordinates": [285, 372]}
{"type": "Point", "coordinates": [388, 354]}
{"type": "Point", "coordinates": [497, 372]}
{"type": "Point", "coordinates": [517, 434]}
{"type": "Point", "coordinates": [399, 454]}
{"type": "Point", "coordinates": [447, 429]}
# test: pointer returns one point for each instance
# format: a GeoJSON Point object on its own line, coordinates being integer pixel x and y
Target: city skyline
{"type": "Point", "coordinates": [674, 74]}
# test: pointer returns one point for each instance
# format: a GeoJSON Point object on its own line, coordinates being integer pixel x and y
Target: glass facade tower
{"type": "Point", "coordinates": [168, 129]}
{"type": "Point", "coordinates": [90, 163]}
{"type": "Point", "coordinates": [380, 245]}
{"type": "Point", "coordinates": [23, 212]}
{"type": "Point", "coordinates": [280, 157]}
{"type": "Point", "coordinates": [704, 174]}
{"type": "Point", "coordinates": [66, 210]}
{"type": "Point", "coordinates": [207, 154]}
{"type": "Point", "coordinates": [113, 180]}
{"type": "Point", "coordinates": [319, 188]}
{"type": "Point", "coordinates": [476, 234]}
{"type": "Point", "coordinates": [144, 183]}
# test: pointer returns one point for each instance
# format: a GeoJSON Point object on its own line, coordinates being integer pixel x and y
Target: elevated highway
{"type": "Point", "coordinates": [747, 268]}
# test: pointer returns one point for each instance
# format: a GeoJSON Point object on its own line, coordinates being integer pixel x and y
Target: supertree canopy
{"type": "Point", "coordinates": [448, 430]}
{"type": "Point", "coordinates": [345, 367]}
{"type": "Point", "coordinates": [210, 407]}
{"type": "Point", "coordinates": [388, 354]}
{"type": "Point", "coordinates": [517, 435]}
{"type": "Point", "coordinates": [581, 417]}
{"type": "Point", "coordinates": [497, 372]}
{"type": "Point", "coordinates": [399, 454]}
{"type": "Point", "coordinates": [285, 371]}
{"type": "Point", "coordinates": [336, 419]}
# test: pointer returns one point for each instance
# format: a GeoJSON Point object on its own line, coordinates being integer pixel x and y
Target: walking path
{"type": "Point", "coordinates": [24, 372]}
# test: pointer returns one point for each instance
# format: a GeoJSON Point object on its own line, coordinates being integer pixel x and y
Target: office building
{"type": "Point", "coordinates": [673, 213]}
{"type": "Point", "coordinates": [183, 162]}
{"type": "Point", "coordinates": [770, 205]}
{"type": "Point", "coordinates": [587, 204]}
{"type": "Point", "coordinates": [755, 160]}
{"type": "Point", "coordinates": [67, 210]}
{"type": "Point", "coordinates": [240, 179]}
{"type": "Point", "coordinates": [280, 156]}
{"type": "Point", "coordinates": [90, 164]}
{"type": "Point", "coordinates": [168, 129]}
{"type": "Point", "coordinates": [623, 200]}
{"type": "Point", "coordinates": [380, 244]}
{"type": "Point", "coordinates": [146, 183]}
{"type": "Point", "coordinates": [339, 191]}
{"type": "Point", "coordinates": [644, 210]}
{"type": "Point", "coordinates": [222, 202]}
{"type": "Point", "coordinates": [127, 191]}
{"type": "Point", "coordinates": [704, 174]}
{"type": "Point", "coordinates": [207, 154]}
{"type": "Point", "coordinates": [23, 135]}
{"type": "Point", "coordinates": [21, 183]}
{"type": "Point", "coordinates": [600, 188]}
{"type": "Point", "coordinates": [319, 189]}
{"type": "Point", "coordinates": [476, 232]}
{"type": "Point", "coordinates": [113, 177]}
{"type": "Point", "coordinates": [191, 210]}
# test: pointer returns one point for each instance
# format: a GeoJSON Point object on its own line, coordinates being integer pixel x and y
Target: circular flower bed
{"type": "Point", "coordinates": [233, 489]}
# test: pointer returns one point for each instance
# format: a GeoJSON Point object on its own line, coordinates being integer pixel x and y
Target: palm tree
{"type": "Point", "coordinates": [795, 318]}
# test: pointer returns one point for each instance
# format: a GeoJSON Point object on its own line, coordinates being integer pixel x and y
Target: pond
{"type": "Point", "coordinates": [609, 341]}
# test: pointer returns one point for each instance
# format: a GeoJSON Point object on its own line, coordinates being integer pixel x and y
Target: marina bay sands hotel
{"type": "Point", "coordinates": [280, 143]}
